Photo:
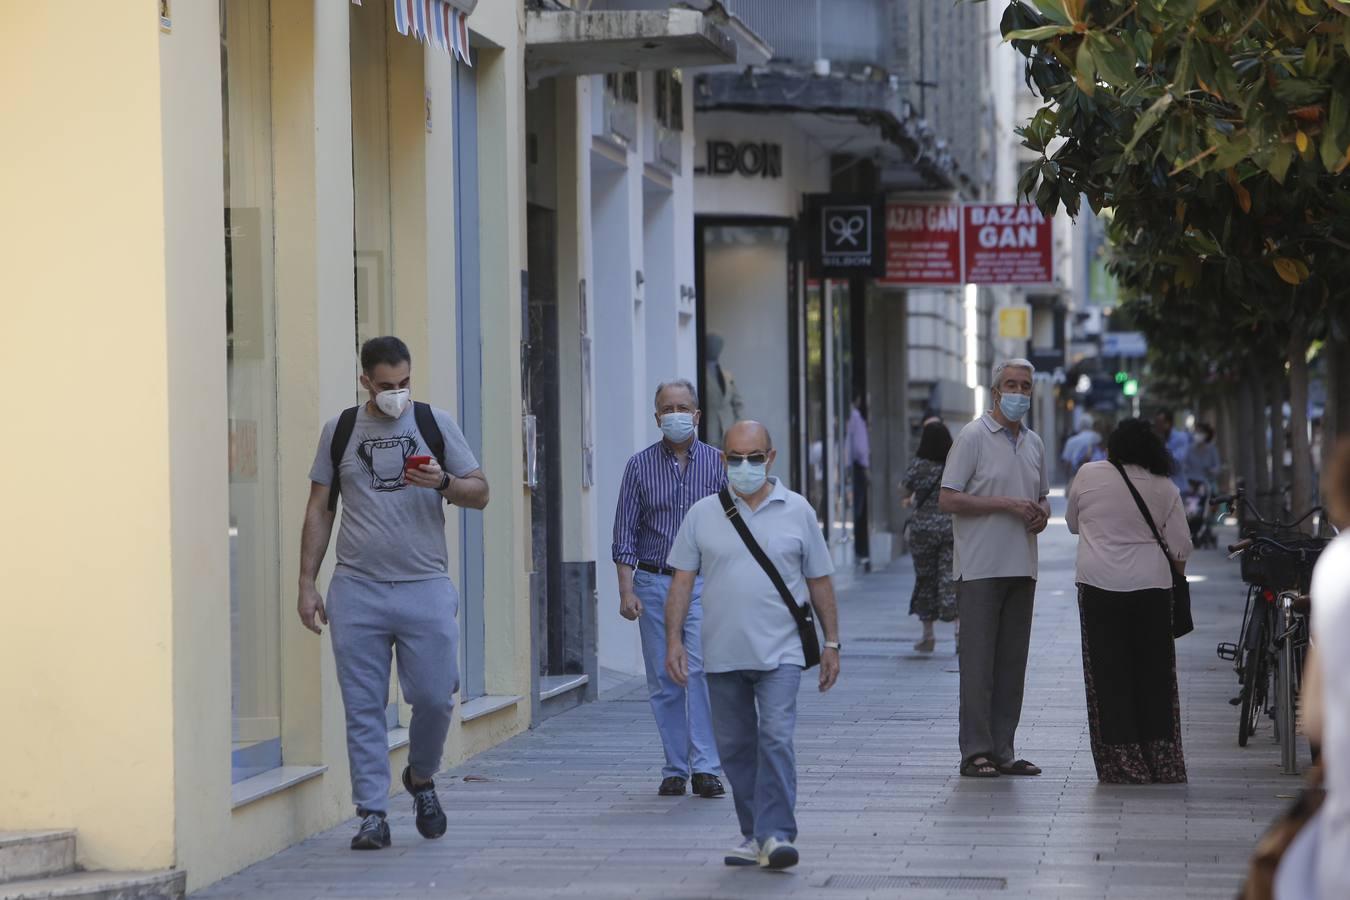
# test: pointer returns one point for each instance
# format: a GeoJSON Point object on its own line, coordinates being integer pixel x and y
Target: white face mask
{"type": "Point", "coordinates": [393, 403]}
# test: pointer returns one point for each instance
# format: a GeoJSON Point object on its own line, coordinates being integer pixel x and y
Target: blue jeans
{"type": "Point", "coordinates": [683, 717]}
{"type": "Point", "coordinates": [755, 715]}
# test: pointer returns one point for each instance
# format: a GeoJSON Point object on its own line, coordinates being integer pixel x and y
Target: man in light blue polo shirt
{"type": "Point", "coordinates": [752, 651]}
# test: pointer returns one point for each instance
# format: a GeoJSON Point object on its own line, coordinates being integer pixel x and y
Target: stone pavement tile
{"type": "Point", "coordinates": [569, 809]}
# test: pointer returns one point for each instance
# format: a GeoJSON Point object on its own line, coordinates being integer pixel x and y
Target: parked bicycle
{"type": "Point", "coordinates": [1277, 564]}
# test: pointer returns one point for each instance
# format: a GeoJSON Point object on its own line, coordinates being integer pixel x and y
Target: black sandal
{"type": "Point", "coordinates": [1020, 767]}
{"type": "Point", "coordinates": [979, 767]}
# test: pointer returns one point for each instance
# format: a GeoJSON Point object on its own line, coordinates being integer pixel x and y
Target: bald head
{"type": "Point", "coordinates": [745, 437]}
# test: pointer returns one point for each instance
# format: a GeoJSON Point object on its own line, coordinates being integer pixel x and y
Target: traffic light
{"type": "Point", "coordinates": [1131, 387]}
{"type": "Point", "coordinates": [1122, 377]}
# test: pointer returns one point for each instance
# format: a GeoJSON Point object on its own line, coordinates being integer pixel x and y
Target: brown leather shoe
{"type": "Point", "coordinates": [707, 786]}
{"type": "Point", "coordinates": [672, 787]}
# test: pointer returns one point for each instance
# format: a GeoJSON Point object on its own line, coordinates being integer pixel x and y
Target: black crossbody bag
{"type": "Point", "coordinates": [1182, 623]}
{"type": "Point", "coordinates": [806, 623]}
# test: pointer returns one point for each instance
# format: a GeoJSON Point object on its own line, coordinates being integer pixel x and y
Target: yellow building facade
{"type": "Point", "coordinates": [204, 213]}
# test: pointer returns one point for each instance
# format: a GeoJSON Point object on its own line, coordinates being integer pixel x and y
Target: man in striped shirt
{"type": "Point", "coordinates": [660, 484]}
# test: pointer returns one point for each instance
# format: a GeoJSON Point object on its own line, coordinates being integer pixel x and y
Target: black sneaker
{"type": "Point", "coordinates": [373, 833]}
{"type": "Point", "coordinates": [707, 786]}
{"type": "Point", "coordinates": [672, 787]}
{"type": "Point", "coordinates": [430, 817]}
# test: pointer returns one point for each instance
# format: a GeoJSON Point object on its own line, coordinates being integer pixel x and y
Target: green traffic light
{"type": "Point", "coordinates": [1122, 377]}
{"type": "Point", "coordinates": [1131, 387]}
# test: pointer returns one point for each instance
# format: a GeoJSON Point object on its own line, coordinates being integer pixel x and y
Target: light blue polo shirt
{"type": "Point", "coordinates": [746, 625]}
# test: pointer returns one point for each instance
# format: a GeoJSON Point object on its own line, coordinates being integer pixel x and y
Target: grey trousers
{"type": "Point", "coordinates": [995, 634]}
{"type": "Point", "coordinates": [369, 619]}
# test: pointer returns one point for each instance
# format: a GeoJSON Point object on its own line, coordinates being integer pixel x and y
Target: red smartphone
{"type": "Point", "coordinates": [415, 462]}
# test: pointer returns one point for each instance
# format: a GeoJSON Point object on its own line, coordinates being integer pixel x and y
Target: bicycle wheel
{"type": "Point", "coordinates": [1284, 683]}
{"type": "Point", "coordinates": [1255, 674]}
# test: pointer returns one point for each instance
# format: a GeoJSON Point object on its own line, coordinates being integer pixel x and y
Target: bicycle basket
{"type": "Point", "coordinates": [1282, 570]}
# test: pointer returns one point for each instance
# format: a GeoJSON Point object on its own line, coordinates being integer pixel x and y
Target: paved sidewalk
{"type": "Point", "coordinates": [570, 809]}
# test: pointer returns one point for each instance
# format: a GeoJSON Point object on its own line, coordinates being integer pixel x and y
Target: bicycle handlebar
{"type": "Point", "coordinates": [1256, 513]}
{"type": "Point", "coordinates": [1246, 544]}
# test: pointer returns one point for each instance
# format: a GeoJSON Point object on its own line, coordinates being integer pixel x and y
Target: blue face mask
{"type": "Point", "coordinates": [677, 427]}
{"type": "Point", "coordinates": [1014, 406]}
{"type": "Point", "coordinates": [746, 478]}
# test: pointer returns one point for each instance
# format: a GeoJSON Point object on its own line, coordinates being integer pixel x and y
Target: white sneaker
{"type": "Point", "coordinates": [746, 853]}
{"type": "Point", "coordinates": [777, 854]}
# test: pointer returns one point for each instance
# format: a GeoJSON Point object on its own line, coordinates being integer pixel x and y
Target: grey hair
{"type": "Point", "coordinates": [676, 382]}
{"type": "Point", "coordinates": [1002, 367]}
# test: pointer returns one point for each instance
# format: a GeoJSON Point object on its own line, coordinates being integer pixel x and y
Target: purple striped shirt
{"type": "Point", "coordinates": [655, 497]}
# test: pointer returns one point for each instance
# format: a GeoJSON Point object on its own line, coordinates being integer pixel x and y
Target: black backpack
{"type": "Point", "coordinates": [427, 425]}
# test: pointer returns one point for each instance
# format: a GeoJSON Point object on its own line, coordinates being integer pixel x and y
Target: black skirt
{"type": "Point", "coordinates": [1130, 675]}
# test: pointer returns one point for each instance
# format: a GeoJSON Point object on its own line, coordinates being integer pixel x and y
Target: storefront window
{"type": "Point", "coordinates": [251, 371]}
{"type": "Point", "coordinates": [373, 225]}
{"type": "Point", "coordinates": [815, 401]}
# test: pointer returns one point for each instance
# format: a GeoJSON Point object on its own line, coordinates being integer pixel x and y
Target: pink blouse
{"type": "Point", "coordinates": [1116, 549]}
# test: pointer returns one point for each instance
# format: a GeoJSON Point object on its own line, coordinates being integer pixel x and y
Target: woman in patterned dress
{"type": "Point", "coordinates": [930, 535]}
{"type": "Point", "coordinates": [1125, 603]}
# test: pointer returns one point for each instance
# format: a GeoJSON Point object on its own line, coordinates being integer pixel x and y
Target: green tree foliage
{"type": "Point", "coordinates": [1218, 134]}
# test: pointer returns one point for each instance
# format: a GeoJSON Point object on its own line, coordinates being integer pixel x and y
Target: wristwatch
{"type": "Point", "coordinates": [445, 483]}
{"type": "Point", "coordinates": [833, 645]}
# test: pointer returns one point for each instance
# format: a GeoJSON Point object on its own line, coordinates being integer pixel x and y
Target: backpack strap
{"type": "Point", "coordinates": [806, 626]}
{"type": "Point", "coordinates": [431, 432]}
{"type": "Point", "coordinates": [342, 436]}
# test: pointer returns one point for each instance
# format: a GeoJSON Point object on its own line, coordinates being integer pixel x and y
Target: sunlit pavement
{"type": "Point", "coordinates": [570, 809]}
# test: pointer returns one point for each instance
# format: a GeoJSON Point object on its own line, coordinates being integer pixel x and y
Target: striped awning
{"type": "Point", "coordinates": [440, 23]}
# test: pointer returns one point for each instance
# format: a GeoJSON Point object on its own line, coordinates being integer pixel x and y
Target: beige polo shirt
{"type": "Point", "coordinates": [985, 461]}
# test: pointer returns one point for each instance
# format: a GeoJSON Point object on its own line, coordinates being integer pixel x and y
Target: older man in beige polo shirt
{"type": "Point", "coordinates": [995, 487]}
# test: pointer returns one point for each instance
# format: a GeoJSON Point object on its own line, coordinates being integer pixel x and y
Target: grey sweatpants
{"type": "Point", "coordinates": [369, 619]}
{"type": "Point", "coordinates": [995, 634]}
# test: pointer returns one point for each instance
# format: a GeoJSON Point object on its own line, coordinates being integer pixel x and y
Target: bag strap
{"type": "Point", "coordinates": [801, 614]}
{"type": "Point", "coordinates": [432, 435]}
{"type": "Point", "coordinates": [1143, 508]}
{"type": "Point", "coordinates": [431, 430]}
{"type": "Point", "coordinates": [926, 494]}
{"type": "Point", "coordinates": [342, 436]}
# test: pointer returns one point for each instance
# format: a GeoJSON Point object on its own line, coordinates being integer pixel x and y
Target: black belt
{"type": "Point", "coordinates": [654, 569]}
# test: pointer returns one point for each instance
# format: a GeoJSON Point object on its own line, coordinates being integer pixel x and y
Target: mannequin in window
{"type": "Point", "coordinates": [723, 404]}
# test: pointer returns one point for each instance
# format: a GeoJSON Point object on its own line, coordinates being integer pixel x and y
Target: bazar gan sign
{"type": "Point", "coordinates": [967, 243]}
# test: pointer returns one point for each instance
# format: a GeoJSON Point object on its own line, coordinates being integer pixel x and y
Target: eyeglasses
{"type": "Point", "coordinates": [754, 459]}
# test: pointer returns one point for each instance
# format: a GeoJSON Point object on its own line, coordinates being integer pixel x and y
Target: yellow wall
{"type": "Point", "coordinates": [87, 643]}
{"type": "Point", "coordinates": [115, 650]}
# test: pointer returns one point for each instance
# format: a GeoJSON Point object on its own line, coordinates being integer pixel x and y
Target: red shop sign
{"type": "Point", "coordinates": [923, 244]}
{"type": "Point", "coordinates": [1007, 243]}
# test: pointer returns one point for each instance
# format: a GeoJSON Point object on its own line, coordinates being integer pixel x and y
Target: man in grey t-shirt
{"type": "Point", "coordinates": [995, 486]}
{"type": "Point", "coordinates": [391, 587]}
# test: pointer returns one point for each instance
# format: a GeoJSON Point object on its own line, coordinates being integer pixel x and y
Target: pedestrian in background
{"type": "Point", "coordinates": [930, 536]}
{"type": "Point", "coordinates": [1125, 603]}
{"type": "Point", "coordinates": [860, 460]}
{"type": "Point", "coordinates": [754, 645]}
{"type": "Point", "coordinates": [1201, 465]}
{"type": "Point", "coordinates": [395, 464]}
{"type": "Point", "coordinates": [1177, 442]}
{"type": "Point", "coordinates": [660, 485]}
{"type": "Point", "coordinates": [1078, 449]}
{"type": "Point", "coordinates": [996, 486]}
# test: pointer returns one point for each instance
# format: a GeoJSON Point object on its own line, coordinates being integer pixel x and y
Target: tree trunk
{"type": "Point", "coordinates": [1275, 397]}
{"type": "Point", "coordinates": [1259, 486]}
{"type": "Point", "coordinates": [1244, 437]}
{"type": "Point", "coordinates": [1298, 419]}
{"type": "Point", "coordinates": [1336, 414]}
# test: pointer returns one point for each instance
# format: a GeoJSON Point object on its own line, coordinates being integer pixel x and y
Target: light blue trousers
{"type": "Point", "coordinates": [369, 619]}
{"type": "Point", "coordinates": [755, 715]}
{"type": "Point", "coordinates": [683, 716]}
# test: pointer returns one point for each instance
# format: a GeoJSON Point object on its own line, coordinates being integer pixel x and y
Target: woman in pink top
{"type": "Point", "coordinates": [1125, 600]}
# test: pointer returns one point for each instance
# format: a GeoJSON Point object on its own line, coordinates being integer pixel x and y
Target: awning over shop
{"type": "Point", "coordinates": [565, 42]}
{"type": "Point", "coordinates": [440, 23]}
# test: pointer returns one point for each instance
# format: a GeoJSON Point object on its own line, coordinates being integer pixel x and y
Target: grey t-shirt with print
{"type": "Point", "coordinates": [390, 530]}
